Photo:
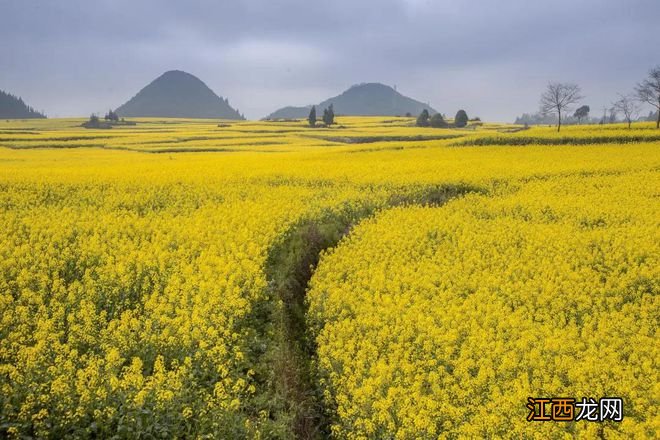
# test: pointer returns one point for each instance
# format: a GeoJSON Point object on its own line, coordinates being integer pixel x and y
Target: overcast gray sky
{"type": "Point", "coordinates": [491, 57]}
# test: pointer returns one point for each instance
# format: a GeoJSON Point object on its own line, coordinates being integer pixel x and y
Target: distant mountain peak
{"type": "Point", "coordinates": [178, 74]}
{"type": "Point", "coordinates": [365, 99]}
{"type": "Point", "coordinates": [370, 85]}
{"type": "Point", "coordinates": [178, 94]}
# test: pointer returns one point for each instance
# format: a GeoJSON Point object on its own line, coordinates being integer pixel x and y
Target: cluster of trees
{"type": "Point", "coordinates": [328, 116]}
{"type": "Point", "coordinates": [538, 119]}
{"type": "Point", "coordinates": [111, 116]}
{"type": "Point", "coordinates": [94, 122]}
{"type": "Point", "coordinates": [438, 120]}
{"type": "Point", "coordinates": [610, 115]}
{"type": "Point", "coordinates": [558, 98]}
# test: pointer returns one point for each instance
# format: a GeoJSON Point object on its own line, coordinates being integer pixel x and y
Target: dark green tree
{"type": "Point", "coordinates": [461, 119]}
{"type": "Point", "coordinates": [329, 115]}
{"type": "Point", "coordinates": [581, 113]}
{"type": "Point", "coordinates": [312, 117]}
{"type": "Point", "coordinates": [437, 121]}
{"type": "Point", "coordinates": [111, 116]}
{"type": "Point", "coordinates": [93, 122]}
{"type": "Point", "coordinates": [423, 119]}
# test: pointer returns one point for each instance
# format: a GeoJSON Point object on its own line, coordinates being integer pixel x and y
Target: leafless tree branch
{"type": "Point", "coordinates": [558, 98]}
{"type": "Point", "coordinates": [627, 105]}
{"type": "Point", "coordinates": [648, 91]}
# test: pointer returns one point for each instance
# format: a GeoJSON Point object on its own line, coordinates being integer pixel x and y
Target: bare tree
{"type": "Point", "coordinates": [627, 106]}
{"type": "Point", "coordinates": [558, 98]}
{"type": "Point", "coordinates": [611, 119]}
{"type": "Point", "coordinates": [648, 91]}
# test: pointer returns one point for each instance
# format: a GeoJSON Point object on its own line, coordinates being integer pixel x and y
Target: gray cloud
{"type": "Point", "coordinates": [491, 57]}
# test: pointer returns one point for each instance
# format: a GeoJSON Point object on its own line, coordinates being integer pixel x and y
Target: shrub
{"type": "Point", "coordinates": [423, 119]}
{"type": "Point", "coordinates": [437, 121]}
{"type": "Point", "coordinates": [461, 119]}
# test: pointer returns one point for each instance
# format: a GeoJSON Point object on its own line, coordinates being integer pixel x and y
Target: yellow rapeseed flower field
{"type": "Point", "coordinates": [438, 322]}
{"type": "Point", "coordinates": [136, 298]}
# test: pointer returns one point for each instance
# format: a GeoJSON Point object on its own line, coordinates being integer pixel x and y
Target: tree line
{"type": "Point", "coordinates": [559, 98]}
{"type": "Point", "coordinates": [438, 120]}
{"type": "Point", "coordinates": [328, 116]}
{"type": "Point", "coordinates": [12, 106]}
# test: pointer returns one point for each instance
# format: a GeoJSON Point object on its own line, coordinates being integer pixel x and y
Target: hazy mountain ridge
{"type": "Point", "coordinates": [367, 99]}
{"type": "Point", "coordinates": [177, 94]}
{"type": "Point", "coordinates": [13, 107]}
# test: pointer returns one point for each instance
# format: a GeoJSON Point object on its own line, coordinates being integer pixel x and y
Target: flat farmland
{"type": "Point", "coordinates": [190, 278]}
